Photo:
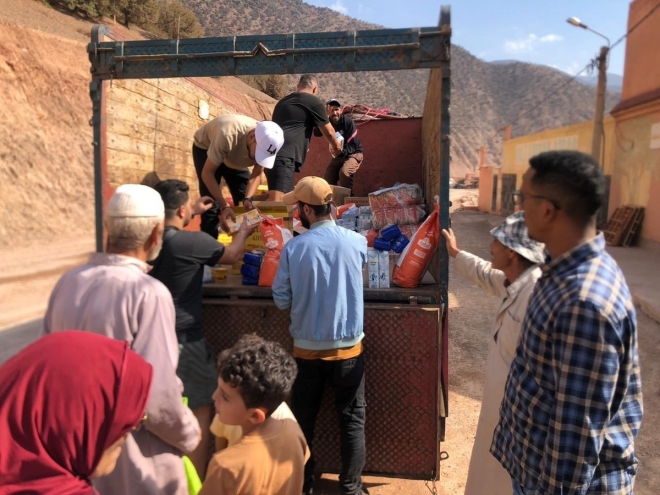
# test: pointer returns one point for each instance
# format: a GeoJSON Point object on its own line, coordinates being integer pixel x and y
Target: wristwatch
{"type": "Point", "coordinates": [248, 199]}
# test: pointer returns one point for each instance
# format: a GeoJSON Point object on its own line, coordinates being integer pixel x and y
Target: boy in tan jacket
{"type": "Point", "coordinates": [254, 378]}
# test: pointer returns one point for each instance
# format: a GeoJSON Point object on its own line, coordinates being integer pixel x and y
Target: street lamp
{"type": "Point", "coordinates": [601, 64]}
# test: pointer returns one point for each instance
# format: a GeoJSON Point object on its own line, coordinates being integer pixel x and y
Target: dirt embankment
{"type": "Point", "coordinates": [46, 170]}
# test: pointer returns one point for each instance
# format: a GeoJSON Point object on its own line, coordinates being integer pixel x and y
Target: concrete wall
{"type": "Point", "coordinates": [636, 178]}
{"type": "Point", "coordinates": [151, 123]}
{"type": "Point", "coordinates": [486, 189]}
{"type": "Point", "coordinates": [518, 151]}
{"type": "Point", "coordinates": [641, 74]}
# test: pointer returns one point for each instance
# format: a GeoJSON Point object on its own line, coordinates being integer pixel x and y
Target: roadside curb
{"type": "Point", "coordinates": [649, 308]}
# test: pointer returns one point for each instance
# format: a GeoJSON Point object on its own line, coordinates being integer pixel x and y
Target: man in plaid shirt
{"type": "Point", "coordinates": [572, 404]}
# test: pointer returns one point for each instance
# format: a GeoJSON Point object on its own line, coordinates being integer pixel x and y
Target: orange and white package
{"type": "Point", "coordinates": [344, 208]}
{"type": "Point", "coordinates": [274, 236]}
{"type": "Point", "coordinates": [415, 258]}
{"type": "Point", "coordinates": [399, 195]}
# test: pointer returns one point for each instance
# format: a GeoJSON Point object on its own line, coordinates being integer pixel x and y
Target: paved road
{"type": "Point", "coordinates": [14, 339]}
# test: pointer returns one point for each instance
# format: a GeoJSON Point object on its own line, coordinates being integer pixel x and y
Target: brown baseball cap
{"type": "Point", "coordinates": [311, 190]}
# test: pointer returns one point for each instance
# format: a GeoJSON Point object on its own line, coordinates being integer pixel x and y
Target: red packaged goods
{"type": "Point", "coordinates": [408, 230]}
{"type": "Point", "coordinates": [415, 259]}
{"type": "Point", "coordinates": [371, 236]}
{"type": "Point", "coordinates": [274, 237]}
{"type": "Point", "coordinates": [400, 215]}
{"type": "Point", "coordinates": [400, 195]}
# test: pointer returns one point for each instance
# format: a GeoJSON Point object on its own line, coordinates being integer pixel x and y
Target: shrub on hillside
{"type": "Point", "coordinates": [274, 85]}
{"type": "Point", "coordinates": [175, 20]}
{"type": "Point", "coordinates": [166, 18]}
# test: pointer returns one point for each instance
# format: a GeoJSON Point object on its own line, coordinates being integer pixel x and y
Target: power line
{"type": "Point", "coordinates": [590, 65]}
{"type": "Point", "coordinates": [636, 25]}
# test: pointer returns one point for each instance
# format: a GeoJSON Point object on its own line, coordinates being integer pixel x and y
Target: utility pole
{"type": "Point", "coordinates": [601, 63]}
{"type": "Point", "coordinates": [599, 130]}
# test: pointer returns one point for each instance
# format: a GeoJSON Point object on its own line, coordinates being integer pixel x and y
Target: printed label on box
{"type": "Point", "coordinates": [383, 270]}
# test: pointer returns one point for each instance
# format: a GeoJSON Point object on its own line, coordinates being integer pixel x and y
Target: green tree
{"type": "Point", "coordinates": [139, 12]}
{"type": "Point", "coordinates": [89, 7]}
{"type": "Point", "coordinates": [177, 20]}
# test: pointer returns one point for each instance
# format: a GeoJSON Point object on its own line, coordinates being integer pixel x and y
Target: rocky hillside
{"type": "Point", "coordinates": [485, 96]}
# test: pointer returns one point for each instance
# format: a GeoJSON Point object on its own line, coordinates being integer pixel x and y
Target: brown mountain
{"type": "Point", "coordinates": [485, 96]}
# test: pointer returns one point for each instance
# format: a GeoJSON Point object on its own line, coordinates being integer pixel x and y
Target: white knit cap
{"type": "Point", "coordinates": [135, 200]}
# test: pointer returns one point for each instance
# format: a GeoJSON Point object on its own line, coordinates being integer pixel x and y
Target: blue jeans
{"type": "Point", "coordinates": [518, 490]}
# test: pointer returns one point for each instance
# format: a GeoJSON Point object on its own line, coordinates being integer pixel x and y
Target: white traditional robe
{"type": "Point", "coordinates": [112, 295]}
{"type": "Point", "coordinates": [486, 476]}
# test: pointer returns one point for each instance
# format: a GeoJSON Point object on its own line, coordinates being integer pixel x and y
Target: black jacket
{"type": "Point", "coordinates": [347, 128]}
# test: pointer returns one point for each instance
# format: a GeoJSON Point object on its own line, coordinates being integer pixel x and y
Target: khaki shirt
{"type": "Point", "coordinates": [225, 139]}
{"type": "Point", "coordinates": [257, 464]}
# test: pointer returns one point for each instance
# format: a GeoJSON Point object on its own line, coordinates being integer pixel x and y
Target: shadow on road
{"type": "Point", "coordinates": [12, 340]}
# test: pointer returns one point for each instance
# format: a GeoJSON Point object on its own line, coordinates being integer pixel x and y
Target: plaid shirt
{"type": "Point", "coordinates": [573, 400]}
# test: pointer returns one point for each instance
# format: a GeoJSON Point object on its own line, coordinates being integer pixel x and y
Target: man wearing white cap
{"type": "Point", "coordinates": [225, 148]}
{"type": "Point", "coordinates": [510, 275]}
{"type": "Point", "coordinates": [112, 295]}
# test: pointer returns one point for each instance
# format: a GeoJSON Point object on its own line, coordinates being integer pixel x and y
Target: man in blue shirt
{"type": "Point", "coordinates": [572, 403]}
{"type": "Point", "coordinates": [319, 279]}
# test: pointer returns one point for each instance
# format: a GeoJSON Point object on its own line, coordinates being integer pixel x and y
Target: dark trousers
{"type": "Point", "coordinates": [347, 380]}
{"type": "Point", "coordinates": [236, 182]}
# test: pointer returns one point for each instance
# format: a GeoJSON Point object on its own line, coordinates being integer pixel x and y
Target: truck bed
{"type": "Point", "coordinates": [232, 288]}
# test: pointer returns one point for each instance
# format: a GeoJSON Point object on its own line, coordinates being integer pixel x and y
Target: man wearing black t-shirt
{"type": "Point", "coordinates": [298, 114]}
{"type": "Point", "coordinates": [180, 267]}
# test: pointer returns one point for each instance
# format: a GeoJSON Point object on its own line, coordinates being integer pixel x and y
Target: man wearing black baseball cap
{"type": "Point", "coordinates": [342, 167]}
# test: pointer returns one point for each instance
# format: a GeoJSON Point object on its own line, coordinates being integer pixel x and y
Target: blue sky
{"type": "Point", "coordinates": [533, 31]}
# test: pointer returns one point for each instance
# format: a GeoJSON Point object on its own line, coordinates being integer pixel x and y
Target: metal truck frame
{"type": "Point", "coordinates": [407, 329]}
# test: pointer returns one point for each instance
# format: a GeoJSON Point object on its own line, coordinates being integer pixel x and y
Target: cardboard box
{"type": "Point", "coordinates": [357, 200]}
{"type": "Point", "coordinates": [339, 194]}
{"type": "Point", "coordinates": [252, 218]}
{"type": "Point", "coordinates": [272, 208]}
{"type": "Point", "coordinates": [372, 268]}
{"type": "Point", "coordinates": [383, 269]}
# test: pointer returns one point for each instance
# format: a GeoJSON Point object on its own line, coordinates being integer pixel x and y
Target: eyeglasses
{"type": "Point", "coordinates": [519, 198]}
{"type": "Point", "coordinates": [142, 422]}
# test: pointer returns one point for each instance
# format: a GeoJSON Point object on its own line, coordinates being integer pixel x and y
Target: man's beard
{"type": "Point", "coordinates": [155, 251]}
{"type": "Point", "coordinates": [304, 220]}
